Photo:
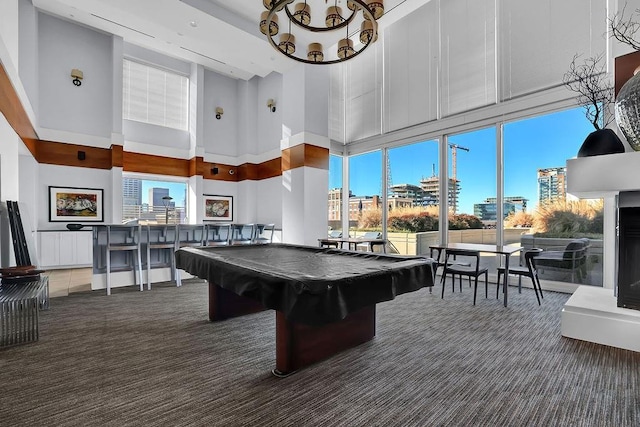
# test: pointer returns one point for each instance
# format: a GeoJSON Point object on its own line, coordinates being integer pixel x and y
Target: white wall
{"type": "Point", "coordinates": [86, 109]}
{"type": "Point", "coordinates": [9, 186]}
{"type": "Point", "coordinates": [270, 126]}
{"type": "Point", "coordinates": [67, 176]}
{"type": "Point", "coordinates": [268, 199]}
{"type": "Point", "coordinates": [28, 44]}
{"type": "Point", "coordinates": [221, 136]}
{"type": "Point", "coordinates": [9, 29]}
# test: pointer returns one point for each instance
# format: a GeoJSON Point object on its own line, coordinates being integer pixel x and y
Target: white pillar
{"type": "Point", "coordinates": [305, 180]}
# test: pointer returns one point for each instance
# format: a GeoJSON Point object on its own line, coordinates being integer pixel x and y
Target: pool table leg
{"type": "Point", "coordinates": [224, 304]}
{"type": "Point", "coordinates": [299, 345]}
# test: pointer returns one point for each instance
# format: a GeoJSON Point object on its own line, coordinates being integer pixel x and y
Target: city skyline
{"type": "Point", "coordinates": [537, 143]}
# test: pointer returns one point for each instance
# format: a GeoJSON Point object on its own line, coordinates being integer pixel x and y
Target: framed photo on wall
{"type": "Point", "coordinates": [218, 208]}
{"type": "Point", "coordinates": [76, 204]}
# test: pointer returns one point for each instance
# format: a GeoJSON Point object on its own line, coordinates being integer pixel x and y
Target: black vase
{"type": "Point", "coordinates": [601, 141]}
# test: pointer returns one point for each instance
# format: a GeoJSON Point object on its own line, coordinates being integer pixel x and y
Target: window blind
{"type": "Point", "coordinates": [155, 96]}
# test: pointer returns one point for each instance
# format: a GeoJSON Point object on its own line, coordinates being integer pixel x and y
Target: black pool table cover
{"type": "Point", "coordinates": [308, 284]}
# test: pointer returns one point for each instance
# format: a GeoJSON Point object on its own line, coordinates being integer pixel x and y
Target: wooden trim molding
{"type": "Point", "coordinates": [57, 153]}
{"type": "Point", "coordinates": [147, 163]}
{"type": "Point", "coordinates": [117, 155]}
{"type": "Point", "coordinates": [12, 109]}
{"type": "Point", "coordinates": [305, 155]}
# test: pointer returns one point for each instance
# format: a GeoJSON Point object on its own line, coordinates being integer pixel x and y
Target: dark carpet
{"type": "Point", "coordinates": [153, 359]}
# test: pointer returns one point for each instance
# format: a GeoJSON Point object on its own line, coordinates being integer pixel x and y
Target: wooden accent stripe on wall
{"type": "Point", "coordinates": [12, 109]}
{"type": "Point", "coordinates": [147, 163]}
{"type": "Point", "coordinates": [305, 155]}
{"type": "Point", "coordinates": [56, 153]}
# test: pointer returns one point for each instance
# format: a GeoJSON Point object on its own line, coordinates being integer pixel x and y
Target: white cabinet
{"type": "Point", "coordinates": [60, 249]}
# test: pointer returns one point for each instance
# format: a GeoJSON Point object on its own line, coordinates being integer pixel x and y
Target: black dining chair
{"type": "Point", "coordinates": [470, 267]}
{"type": "Point", "coordinates": [529, 270]}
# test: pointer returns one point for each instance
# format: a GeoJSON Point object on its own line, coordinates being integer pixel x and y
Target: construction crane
{"type": "Point", "coordinates": [454, 166]}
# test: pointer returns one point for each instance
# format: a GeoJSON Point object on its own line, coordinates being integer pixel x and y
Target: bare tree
{"type": "Point", "coordinates": [593, 86]}
{"type": "Point", "coordinates": [625, 30]}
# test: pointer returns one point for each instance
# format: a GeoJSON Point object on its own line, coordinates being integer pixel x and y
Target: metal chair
{"type": "Point", "coordinates": [264, 234]}
{"type": "Point", "coordinates": [161, 238]}
{"type": "Point", "coordinates": [528, 271]}
{"type": "Point", "coordinates": [242, 234]}
{"type": "Point", "coordinates": [124, 238]}
{"type": "Point", "coordinates": [218, 235]}
{"type": "Point", "coordinates": [189, 235]}
{"type": "Point", "coordinates": [471, 270]}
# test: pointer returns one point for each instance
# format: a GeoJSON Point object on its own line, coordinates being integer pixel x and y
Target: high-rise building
{"type": "Point", "coordinates": [519, 202]}
{"type": "Point", "coordinates": [552, 184]}
{"type": "Point", "coordinates": [431, 187]}
{"type": "Point", "coordinates": [488, 211]}
{"type": "Point", "coordinates": [131, 192]}
{"type": "Point", "coordinates": [156, 195]}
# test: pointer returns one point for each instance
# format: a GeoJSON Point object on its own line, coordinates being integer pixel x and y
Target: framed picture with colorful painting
{"type": "Point", "coordinates": [70, 204]}
{"type": "Point", "coordinates": [218, 208]}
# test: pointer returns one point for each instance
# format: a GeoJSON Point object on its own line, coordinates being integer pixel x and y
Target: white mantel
{"type": "Point", "coordinates": [591, 314]}
{"type": "Point", "coordinates": [602, 176]}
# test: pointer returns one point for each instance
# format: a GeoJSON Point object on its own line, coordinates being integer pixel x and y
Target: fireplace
{"type": "Point", "coordinates": [629, 250]}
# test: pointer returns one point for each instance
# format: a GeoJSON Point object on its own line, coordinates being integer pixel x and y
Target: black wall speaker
{"type": "Point", "coordinates": [214, 171]}
{"type": "Point", "coordinates": [82, 155]}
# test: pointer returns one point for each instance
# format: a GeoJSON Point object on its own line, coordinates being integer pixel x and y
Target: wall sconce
{"type": "Point", "coordinates": [82, 155]}
{"type": "Point", "coordinates": [271, 104]}
{"type": "Point", "coordinates": [219, 112]}
{"type": "Point", "coordinates": [215, 170]}
{"type": "Point", "coordinates": [77, 76]}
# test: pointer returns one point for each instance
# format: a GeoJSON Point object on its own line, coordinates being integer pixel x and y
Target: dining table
{"type": "Point", "coordinates": [503, 250]}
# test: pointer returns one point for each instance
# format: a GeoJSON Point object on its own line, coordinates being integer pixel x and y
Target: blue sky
{"type": "Point", "coordinates": [541, 142]}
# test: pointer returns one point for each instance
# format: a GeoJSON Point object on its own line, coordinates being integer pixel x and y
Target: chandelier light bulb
{"type": "Point", "coordinates": [302, 13]}
{"type": "Point", "coordinates": [287, 43]}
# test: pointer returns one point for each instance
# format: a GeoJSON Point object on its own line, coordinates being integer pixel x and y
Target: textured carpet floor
{"type": "Point", "coordinates": [152, 358]}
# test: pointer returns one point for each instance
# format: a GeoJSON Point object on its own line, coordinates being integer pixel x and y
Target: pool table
{"type": "Point", "coordinates": [324, 299]}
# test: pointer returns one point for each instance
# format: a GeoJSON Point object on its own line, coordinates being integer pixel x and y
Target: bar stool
{"type": "Point", "coordinates": [242, 234]}
{"type": "Point", "coordinates": [189, 235]}
{"type": "Point", "coordinates": [264, 234]}
{"type": "Point", "coordinates": [218, 235]}
{"type": "Point", "coordinates": [124, 238]}
{"type": "Point", "coordinates": [162, 238]}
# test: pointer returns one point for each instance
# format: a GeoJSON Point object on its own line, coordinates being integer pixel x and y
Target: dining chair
{"type": "Point", "coordinates": [529, 270]}
{"type": "Point", "coordinates": [470, 267]}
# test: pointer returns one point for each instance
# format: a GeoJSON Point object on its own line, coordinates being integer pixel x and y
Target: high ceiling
{"type": "Point", "coordinates": [222, 35]}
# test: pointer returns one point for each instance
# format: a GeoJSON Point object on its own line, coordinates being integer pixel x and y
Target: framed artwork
{"type": "Point", "coordinates": [218, 208]}
{"type": "Point", "coordinates": [76, 204]}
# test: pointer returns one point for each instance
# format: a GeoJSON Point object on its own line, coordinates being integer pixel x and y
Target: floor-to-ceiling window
{"type": "Point", "coordinates": [334, 211]}
{"type": "Point", "coordinates": [412, 197]}
{"type": "Point", "coordinates": [545, 215]}
{"type": "Point", "coordinates": [472, 189]}
{"type": "Point", "coordinates": [365, 193]}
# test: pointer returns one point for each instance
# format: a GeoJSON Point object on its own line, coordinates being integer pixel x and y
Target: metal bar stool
{"type": "Point", "coordinates": [124, 238]}
{"type": "Point", "coordinates": [161, 238]}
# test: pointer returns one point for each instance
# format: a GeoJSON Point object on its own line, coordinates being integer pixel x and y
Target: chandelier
{"type": "Point", "coordinates": [316, 34]}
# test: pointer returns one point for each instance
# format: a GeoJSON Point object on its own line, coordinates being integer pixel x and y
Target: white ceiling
{"type": "Point", "coordinates": [222, 35]}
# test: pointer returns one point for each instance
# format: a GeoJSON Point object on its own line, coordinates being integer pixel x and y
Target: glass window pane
{"type": "Point", "coordinates": [412, 211]}
{"type": "Point", "coordinates": [552, 219]}
{"type": "Point", "coordinates": [334, 214]}
{"type": "Point", "coordinates": [365, 196]}
{"type": "Point", "coordinates": [472, 190]}
{"type": "Point", "coordinates": [146, 201]}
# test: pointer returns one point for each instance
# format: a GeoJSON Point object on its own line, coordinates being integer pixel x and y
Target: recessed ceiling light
{"type": "Point", "coordinates": [193, 24]}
